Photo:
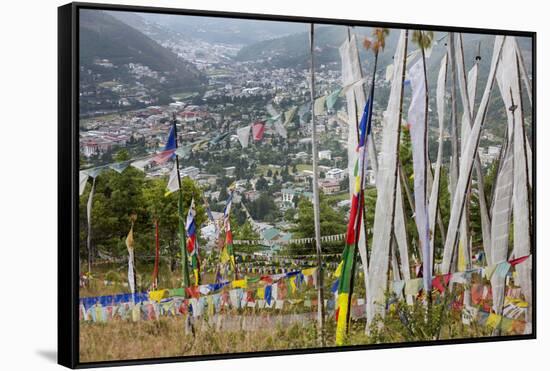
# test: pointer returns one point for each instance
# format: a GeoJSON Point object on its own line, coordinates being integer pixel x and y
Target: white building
{"type": "Point", "coordinates": [337, 174]}
{"type": "Point", "coordinates": [302, 156]}
{"type": "Point", "coordinates": [325, 155]}
{"type": "Point", "coordinates": [190, 171]}
{"type": "Point", "coordinates": [229, 171]}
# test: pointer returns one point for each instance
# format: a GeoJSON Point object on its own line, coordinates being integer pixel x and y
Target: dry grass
{"type": "Point", "coordinates": [167, 338]}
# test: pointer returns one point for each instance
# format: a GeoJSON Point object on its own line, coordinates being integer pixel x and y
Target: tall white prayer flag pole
{"type": "Point", "coordinates": [315, 186]}
{"type": "Point", "coordinates": [386, 199]}
{"type": "Point", "coordinates": [467, 164]}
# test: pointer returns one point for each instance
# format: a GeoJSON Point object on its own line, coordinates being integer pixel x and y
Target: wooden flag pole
{"type": "Point", "coordinates": [185, 268]}
{"type": "Point", "coordinates": [89, 235]}
{"type": "Point", "coordinates": [316, 206]}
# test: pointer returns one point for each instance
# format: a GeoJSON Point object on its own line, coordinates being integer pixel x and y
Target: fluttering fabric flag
{"type": "Point", "coordinates": [171, 140]}
{"type": "Point", "coordinates": [338, 271]}
{"type": "Point", "coordinates": [434, 196]}
{"type": "Point", "coordinates": [192, 242]}
{"type": "Point", "coordinates": [227, 254]}
{"type": "Point", "coordinates": [354, 228]}
{"type": "Point", "coordinates": [351, 85]}
{"type": "Point", "coordinates": [195, 146]}
{"type": "Point", "coordinates": [131, 268]}
{"type": "Point", "coordinates": [274, 115]}
{"type": "Point", "coordinates": [258, 129]}
{"type": "Point", "coordinates": [397, 288]}
{"type": "Point", "coordinates": [352, 81]}
{"type": "Point", "coordinates": [500, 223]}
{"type": "Point", "coordinates": [119, 167]}
{"type": "Point", "coordinates": [243, 134]}
{"type": "Point", "coordinates": [418, 130]}
{"type": "Point", "coordinates": [94, 172]}
{"type": "Point", "coordinates": [304, 108]}
{"type": "Point", "coordinates": [83, 180]}
{"type": "Point", "coordinates": [274, 118]}
{"type": "Point", "coordinates": [386, 185]}
{"type": "Point", "coordinates": [517, 261]}
{"type": "Point", "coordinates": [183, 248]}
{"type": "Point", "coordinates": [210, 216]}
{"type": "Point", "coordinates": [440, 282]}
{"type": "Point", "coordinates": [242, 284]}
{"type": "Point", "coordinates": [217, 139]}
{"type": "Point", "coordinates": [319, 105]}
{"type": "Point", "coordinates": [293, 286]}
{"type": "Point", "coordinates": [502, 269]}
{"type": "Point", "coordinates": [289, 115]}
{"type": "Point", "coordinates": [184, 151]}
{"type": "Point", "coordinates": [389, 72]}
{"type": "Point", "coordinates": [401, 239]}
{"type": "Point", "coordinates": [141, 164]}
{"type": "Point", "coordinates": [158, 295]}
{"type": "Point", "coordinates": [522, 224]}
{"type": "Point", "coordinates": [466, 166]}
{"type": "Point", "coordinates": [280, 129]}
{"type": "Point", "coordinates": [332, 98]}
{"type": "Point", "coordinates": [267, 294]}
{"type": "Point", "coordinates": [169, 148]}
{"type": "Point", "coordinates": [173, 182]}
{"type": "Point", "coordinates": [413, 286]}
{"type": "Point", "coordinates": [468, 87]}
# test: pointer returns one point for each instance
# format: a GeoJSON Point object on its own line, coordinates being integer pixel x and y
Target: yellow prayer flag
{"type": "Point", "coordinates": [224, 256]}
{"type": "Point", "coordinates": [341, 324]}
{"type": "Point", "coordinates": [158, 295]}
{"type": "Point", "coordinates": [461, 266]}
{"type": "Point", "coordinates": [239, 284]}
{"type": "Point", "coordinates": [293, 284]}
{"type": "Point", "coordinates": [522, 304]}
{"type": "Point", "coordinates": [338, 270]}
{"type": "Point", "coordinates": [309, 271]}
{"type": "Point", "coordinates": [493, 320]}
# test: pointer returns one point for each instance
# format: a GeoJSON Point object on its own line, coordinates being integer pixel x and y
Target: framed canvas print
{"type": "Point", "coordinates": [237, 185]}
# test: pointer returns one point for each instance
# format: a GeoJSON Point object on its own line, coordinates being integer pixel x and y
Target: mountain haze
{"type": "Point", "coordinates": [105, 37]}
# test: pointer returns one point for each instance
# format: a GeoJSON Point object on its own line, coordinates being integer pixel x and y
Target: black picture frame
{"type": "Point", "coordinates": [68, 163]}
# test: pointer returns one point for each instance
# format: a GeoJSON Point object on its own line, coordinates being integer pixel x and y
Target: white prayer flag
{"type": "Point", "coordinates": [467, 164]}
{"type": "Point", "coordinates": [281, 130]}
{"type": "Point", "coordinates": [417, 120]}
{"type": "Point", "coordinates": [319, 106]}
{"type": "Point", "coordinates": [82, 182]}
{"type": "Point", "coordinates": [173, 182]}
{"type": "Point", "coordinates": [243, 134]}
{"type": "Point", "coordinates": [386, 186]}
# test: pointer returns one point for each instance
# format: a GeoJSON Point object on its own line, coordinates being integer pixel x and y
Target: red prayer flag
{"type": "Point", "coordinates": [258, 129]}
{"type": "Point", "coordinates": [193, 291]}
{"type": "Point", "coordinates": [164, 156]}
{"type": "Point", "coordinates": [440, 284]}
{"type": "Point", "coordinates": [250, 297]}
{"type": "Point", "coordinates": [516, 261]}
{"type": "Point", "coordinates": [477, 293]}
{"type": "Point", "coordinates": [266, 279]}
